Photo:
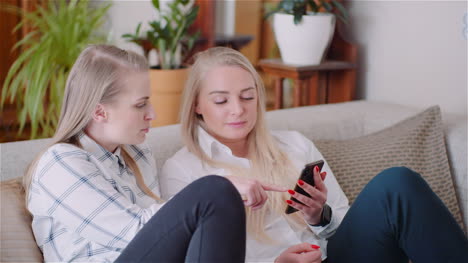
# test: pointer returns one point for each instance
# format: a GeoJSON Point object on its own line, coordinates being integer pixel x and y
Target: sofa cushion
{"type": "Point", "coordinates": [17, 240]}
{"type": "Point", "coordinates": [417, 143]}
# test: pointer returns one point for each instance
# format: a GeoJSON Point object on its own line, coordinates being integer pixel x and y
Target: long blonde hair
{"type": "Point", "coordinates": [269, 163]}
{"type": "Point", "coordinates": [94, 78]}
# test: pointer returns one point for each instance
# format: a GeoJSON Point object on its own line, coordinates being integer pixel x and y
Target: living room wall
{"type": "Point", "coordinates": [411, 52]}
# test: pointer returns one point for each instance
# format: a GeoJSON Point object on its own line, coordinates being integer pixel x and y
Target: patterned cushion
{"type": "Point", "coordinates": [417, 143]}
{"type": "Point", "coordinates": [17, 242]}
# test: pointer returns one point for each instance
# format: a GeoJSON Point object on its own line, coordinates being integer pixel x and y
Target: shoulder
{"type": "Point", "coordinates": [182, 156]}
{"type": "Point", "coordinates": [60, 158]}
{"type": "Point", "coordinates": [64, 151]}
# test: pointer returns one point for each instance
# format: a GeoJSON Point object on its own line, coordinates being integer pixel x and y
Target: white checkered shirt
{"type": "Point", "coordinates": [85, 203]}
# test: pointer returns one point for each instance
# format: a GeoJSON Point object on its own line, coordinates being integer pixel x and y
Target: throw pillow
{"type": "Point", "coordinates": [417, 143]}
{"type": "Point", "coordinates": [17, 240]}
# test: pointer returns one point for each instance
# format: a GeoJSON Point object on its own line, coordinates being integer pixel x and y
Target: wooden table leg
{"type": "Point", "coordinates": [278, 93]}
{"type": "Point", "coordinates": [297, 92]}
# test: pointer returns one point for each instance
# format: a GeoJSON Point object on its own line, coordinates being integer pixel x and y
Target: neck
{"type": "Point", "coordinates": [95, 133]}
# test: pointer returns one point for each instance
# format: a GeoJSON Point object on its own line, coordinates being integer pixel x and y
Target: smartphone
{"type": "Point", "coordinates": [307, 175]}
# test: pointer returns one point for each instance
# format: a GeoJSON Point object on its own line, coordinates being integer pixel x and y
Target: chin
{"type": "Point", "coordinates": [138, 140]}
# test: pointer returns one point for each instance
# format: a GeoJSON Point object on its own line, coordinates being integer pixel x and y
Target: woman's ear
{"type": "Point", "coordinates": [99, 113]}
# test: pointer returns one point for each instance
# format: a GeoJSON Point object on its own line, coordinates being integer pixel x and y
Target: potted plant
{"type": "Point", "coordinates": [170, 37]}
{"type": "Point", "coordinates": [303, 36]}
{"type": "Point", "coordinates": [36, 80]}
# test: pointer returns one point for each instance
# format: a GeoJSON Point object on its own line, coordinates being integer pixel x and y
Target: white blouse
{"type": "Point", "coordinates": [184, 167]}
{"type": "Point", "coordinates": [85, 203]}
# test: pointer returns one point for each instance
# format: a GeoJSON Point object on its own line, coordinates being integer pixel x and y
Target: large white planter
{"type": "Point", "coordinates": [305, 43]}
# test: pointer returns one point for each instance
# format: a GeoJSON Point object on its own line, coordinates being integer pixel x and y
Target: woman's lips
{"type": "Point", "coordinates": [145, 130]}
{"type": "Point", "coordinates": [236, 124]}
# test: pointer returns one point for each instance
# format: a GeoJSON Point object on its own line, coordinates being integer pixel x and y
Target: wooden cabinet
{"type": "Point", "coordinates": [332, 81]}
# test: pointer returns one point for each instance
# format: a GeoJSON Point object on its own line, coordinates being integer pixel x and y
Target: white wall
{"type": "Point", "coordinates": [411, 52]}
{"type": "Point", "coordinates": [124, 16]}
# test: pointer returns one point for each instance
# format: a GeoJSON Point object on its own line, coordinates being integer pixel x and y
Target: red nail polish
{"type": "Point", "coordinates": [316, 168]}
{"type": "Point", "coordinates": [300, 182]}
{"type": "Point", "coordinates": [315, 246]}
{"type": "Point", "coordinates": [289, 202]}
{"type": "Point", "coordinates": [291, 192]}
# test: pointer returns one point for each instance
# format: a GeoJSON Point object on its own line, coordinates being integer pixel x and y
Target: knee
{"type": "Point", "coordinates": [218, 188]}
{"type": "Point", "coordinates": [397, 179]}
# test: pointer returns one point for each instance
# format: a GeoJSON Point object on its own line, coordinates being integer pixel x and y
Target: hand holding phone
{"type": "Point", "coordinates": [307, 175]}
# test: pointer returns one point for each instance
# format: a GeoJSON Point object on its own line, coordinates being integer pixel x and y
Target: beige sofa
{"type": "Point", "coordinates": [343, 121]}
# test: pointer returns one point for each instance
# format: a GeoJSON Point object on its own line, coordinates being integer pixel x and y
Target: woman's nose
{"type": "Point", "coordinates": [151, 114]}
{"type": "Point", "coordinates": [236, 107]}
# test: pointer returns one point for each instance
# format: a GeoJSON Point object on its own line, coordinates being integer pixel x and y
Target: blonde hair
{"type": "Point", "coordinates": [269, 163]}
{"type": "Point", "coordinates": [94, 78]}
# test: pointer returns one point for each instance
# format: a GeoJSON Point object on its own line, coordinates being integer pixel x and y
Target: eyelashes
{"type": "Point", "coordinates": [224, 101]}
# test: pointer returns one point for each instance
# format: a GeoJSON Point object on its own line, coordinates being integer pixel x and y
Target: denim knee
{"type": "Point", "coordinates": [398, 179]}
{"type": "Point", "coordinates": [218, 188]}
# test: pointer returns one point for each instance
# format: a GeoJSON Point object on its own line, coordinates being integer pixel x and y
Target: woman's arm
{"type": "Point", "coordinates": [69, 188]}
{"type": "Point", "coordinates": [174, 177]}
{"type": "Point", "coordinates": [336, 198]}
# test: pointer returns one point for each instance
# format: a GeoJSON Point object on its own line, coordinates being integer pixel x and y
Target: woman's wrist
{"type": "Point", "coordinates": [325, 216]}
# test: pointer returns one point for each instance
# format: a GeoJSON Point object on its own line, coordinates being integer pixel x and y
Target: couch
{"type": "Point", "coordinates": [332, 122]}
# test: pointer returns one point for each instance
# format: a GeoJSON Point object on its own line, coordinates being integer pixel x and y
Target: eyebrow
{"type": "Point", "coordinates": [143, 98]}
{"type": "Point", "coordinates": [226, 92]}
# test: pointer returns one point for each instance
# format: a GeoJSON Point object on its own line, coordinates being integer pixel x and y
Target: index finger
{"type": "Point", "coordinates": [273, 187]}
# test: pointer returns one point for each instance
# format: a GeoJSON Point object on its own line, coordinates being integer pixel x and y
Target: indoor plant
{"type": "Point", "coordinates": [304, 28]}
{"type": "Point", "coordinates": [170, 37]}
{"type": "Point", "coordinates": [36, 80]}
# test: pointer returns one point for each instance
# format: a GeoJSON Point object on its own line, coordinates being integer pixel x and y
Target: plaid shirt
{"type": "Point", "coordinates": [85, 203]}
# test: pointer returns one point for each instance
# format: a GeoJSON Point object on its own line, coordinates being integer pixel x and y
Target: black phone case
{"type": "Point", "coordinates": [307, 175]}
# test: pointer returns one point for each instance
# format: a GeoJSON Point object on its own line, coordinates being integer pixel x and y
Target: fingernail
{"type": "Point", "coordinates": [316, 168]}
{"type": "Point", "coordinates": [300, 182]}
{"type": "Point", "coordinates": [291, 192]}
{"type": "Point", "coordinates": [289, 202]}
{"type": "Point", "coordinates": [315, 246]}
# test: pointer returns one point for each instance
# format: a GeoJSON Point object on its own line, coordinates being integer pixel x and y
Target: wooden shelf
{"type": "Point", "coordinates": [278, 67]}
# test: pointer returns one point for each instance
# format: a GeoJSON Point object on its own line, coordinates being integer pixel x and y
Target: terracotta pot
{"type": "Point", "coordinates": [166, 91]}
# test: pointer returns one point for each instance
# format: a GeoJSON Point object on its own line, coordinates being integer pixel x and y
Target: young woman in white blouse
{"type": "Point", "coordinates": [223, 126]}
{"type": "Point", "coordinates": [94, 193]}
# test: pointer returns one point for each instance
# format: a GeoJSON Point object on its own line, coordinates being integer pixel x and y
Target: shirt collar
{"type": "Point", "coordinates": [210, 145]}
{"type": "Point", "coordinates": [100, 152]}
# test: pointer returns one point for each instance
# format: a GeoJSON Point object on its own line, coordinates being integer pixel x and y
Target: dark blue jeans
{"type": "Point", "coordinates": [205, 222]}
{"type": "Point", "coordinates": [397, 217]}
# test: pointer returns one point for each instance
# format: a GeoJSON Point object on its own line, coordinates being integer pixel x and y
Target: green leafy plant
{"type": "Point", "coordinates": [299, 8]}
{"type": "Point", "coordinates": [36, 80]}
{"type": "Point", "coordinates": [169, 35]}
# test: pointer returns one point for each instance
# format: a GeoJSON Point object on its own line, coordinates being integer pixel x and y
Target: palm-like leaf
{"type": "Point", "coordinates": [36, 80]}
